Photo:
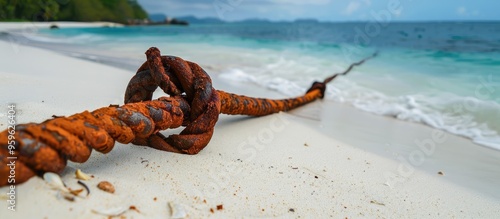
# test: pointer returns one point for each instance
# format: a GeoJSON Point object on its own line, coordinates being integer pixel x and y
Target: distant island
{"type": "Point", "coordinates": [213, 20]}
{"type": "Point", "coordinates": [158, 19]}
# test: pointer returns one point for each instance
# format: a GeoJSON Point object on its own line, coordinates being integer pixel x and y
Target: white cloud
{"type": "Point", "coordinates": [398, 13]}
{"type": "Point", "coordinates": [461, 10]}
{"type": "Point", "coordinates": [354, 6]}
{"type": "Point", "coordinates": [351, 8]}
{"type": "Point", "coordinates": [302, 2]}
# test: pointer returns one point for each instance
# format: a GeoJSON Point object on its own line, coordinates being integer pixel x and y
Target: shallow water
{"type": "Point", "coordinates": [445, 75]}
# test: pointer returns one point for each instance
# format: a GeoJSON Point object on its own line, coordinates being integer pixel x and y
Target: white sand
{"type": "Point", "coordinates": [61, 24]}
{"type": "Point", "coordinates": [255, 167]}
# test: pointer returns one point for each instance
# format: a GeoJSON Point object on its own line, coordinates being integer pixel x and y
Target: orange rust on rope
{"type": "Point", "coordinates": [234, 104]}
{"type": "Point", "coordinates": [192, 102]}
{"type": "Point", "coordinates": [45, 147]}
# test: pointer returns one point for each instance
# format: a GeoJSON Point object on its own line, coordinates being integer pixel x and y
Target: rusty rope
{"type": "Point", "coordinates": [327, 80]}
{"type": "Point", "coordinates": [45, 147]}
{"type": "Point", "coordinates": [193, 103]}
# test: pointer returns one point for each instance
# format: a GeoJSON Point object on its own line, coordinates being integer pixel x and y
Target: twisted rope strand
{"type": "Point", "coordinates": [47, 146]}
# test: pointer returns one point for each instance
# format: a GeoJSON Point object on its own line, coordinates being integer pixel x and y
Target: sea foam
{"type": "Point", "coordinates": [455, 114]}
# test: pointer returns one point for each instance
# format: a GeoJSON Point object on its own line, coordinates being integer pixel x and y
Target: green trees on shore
{"type": "Point", "coordinates": [28, 9]}
{"type": "Point", "coordinates": [71, 10]}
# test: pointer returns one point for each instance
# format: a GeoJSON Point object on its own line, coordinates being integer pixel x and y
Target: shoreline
{"type": "Point", "coordinates": [26, 25]}
{"type": "Point", "coordinates": [339, 172]}
{"type": "Point", "coordinates": [462, 161]}
{"type": "Point", "coordinates": [407, 101]}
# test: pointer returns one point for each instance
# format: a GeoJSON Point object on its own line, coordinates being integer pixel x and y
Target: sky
{"type": "Point", "coordinates": [329, 10]}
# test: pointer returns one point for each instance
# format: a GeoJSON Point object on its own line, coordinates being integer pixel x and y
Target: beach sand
{"type": "Point", "coordinates": [61, 24]}
{"type": "Point", "coordinates": [324, 160]}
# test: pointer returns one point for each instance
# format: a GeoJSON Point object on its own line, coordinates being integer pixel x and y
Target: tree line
{"type": "Point", "coordinates": [120, 11]}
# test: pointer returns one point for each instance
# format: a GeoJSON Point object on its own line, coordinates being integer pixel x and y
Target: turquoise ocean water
{"type": "Point", "coordinates": [445, 75]}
